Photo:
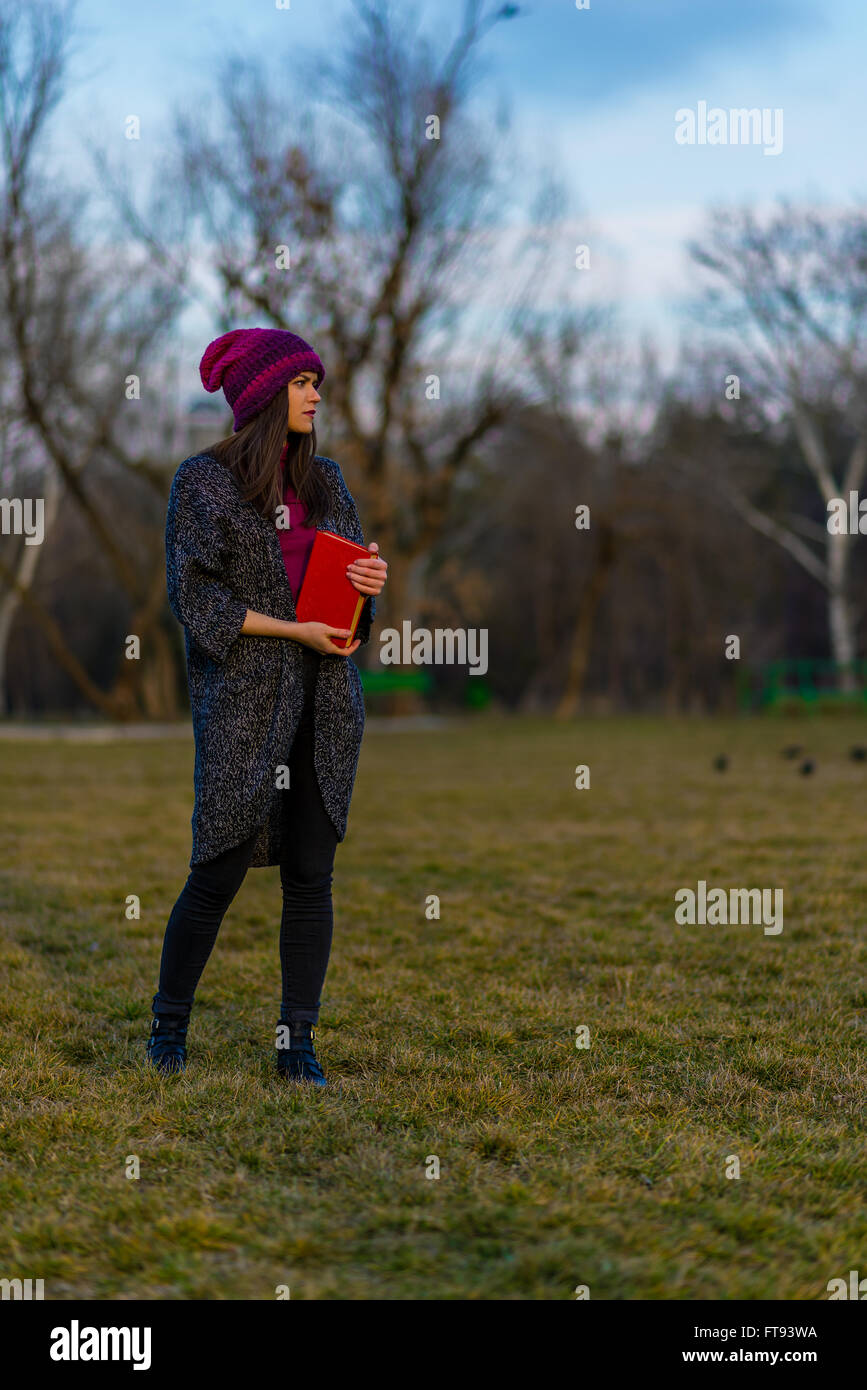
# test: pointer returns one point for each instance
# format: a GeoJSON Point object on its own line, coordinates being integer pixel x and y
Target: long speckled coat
{"type": "Point", "coordinates": [223, 557]}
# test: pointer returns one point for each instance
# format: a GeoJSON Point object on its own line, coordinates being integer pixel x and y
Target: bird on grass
{"type": "Point", "coordinates": [858, 754]}
{"type": "Point", "coordinates": [721, 763]}
{"type": "Point", "coordinates": [807, 766]}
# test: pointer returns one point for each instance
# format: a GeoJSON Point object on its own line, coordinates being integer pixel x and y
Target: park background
{"type": "Point", "coordinates": [669, 335]}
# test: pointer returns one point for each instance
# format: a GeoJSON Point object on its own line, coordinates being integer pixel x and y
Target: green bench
{"type": "Point", "coordinates": [801, 685]}
{"type": "Point", "coordinates": [386, 680]}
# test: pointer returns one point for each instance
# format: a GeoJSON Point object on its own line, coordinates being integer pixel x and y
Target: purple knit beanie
{"type": "Point", "coordinates": [253, 364]}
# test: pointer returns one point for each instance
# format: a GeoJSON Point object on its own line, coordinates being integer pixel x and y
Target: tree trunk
{"type": "Point", "coordinates": [579, 654]}
{"type": "Point", "coordinates": [841, 621]}
{"type": "Point", "coordinates": [148, 688]}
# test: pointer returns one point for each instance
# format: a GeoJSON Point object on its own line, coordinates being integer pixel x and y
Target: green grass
{"type": "Point", "coordinates": [454, 1038]}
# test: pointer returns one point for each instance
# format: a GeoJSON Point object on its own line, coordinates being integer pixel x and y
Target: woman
{"type": "Point", "coordinates": [278, 709]}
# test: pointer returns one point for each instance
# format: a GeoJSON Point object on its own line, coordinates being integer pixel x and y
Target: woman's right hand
{"type": "Point", "coordinates": [319, 637]}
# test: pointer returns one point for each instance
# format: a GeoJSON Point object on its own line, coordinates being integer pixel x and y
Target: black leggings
{"type": "Point", "coordinates": [305, 876]}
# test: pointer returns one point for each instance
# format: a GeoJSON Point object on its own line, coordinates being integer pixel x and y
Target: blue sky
{"type": "Point", "coordinates": [592, 93]}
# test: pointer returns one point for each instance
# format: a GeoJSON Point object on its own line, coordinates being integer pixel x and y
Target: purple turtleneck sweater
{"type": "Point", "coordinates": [296, 540]}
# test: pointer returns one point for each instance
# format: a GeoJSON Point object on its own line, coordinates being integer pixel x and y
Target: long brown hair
{"type": "Point", "coordinates": [252, 456]}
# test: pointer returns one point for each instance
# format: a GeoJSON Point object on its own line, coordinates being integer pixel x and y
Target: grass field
{"type": "Point", "coordinates": [559, 1166]}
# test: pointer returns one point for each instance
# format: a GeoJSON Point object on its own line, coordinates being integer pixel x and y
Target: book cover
{"type": "Point", "coordinates": [326, 595]}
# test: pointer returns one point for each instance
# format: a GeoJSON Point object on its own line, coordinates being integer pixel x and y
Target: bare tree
{"type": "Point", "coordinates": [394, 258]}
{"type": "Point", "coordinates": [77, 320]}
{"type": "Point", "coordinates": [789, 294]}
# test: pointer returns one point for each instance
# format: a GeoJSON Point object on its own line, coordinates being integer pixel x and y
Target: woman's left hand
{"type": "Point", "coordinates": [368, 576]}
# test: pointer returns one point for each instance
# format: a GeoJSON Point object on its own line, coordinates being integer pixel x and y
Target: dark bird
{"type": "Point", "coordinates": [794, 750]}
{"type": "Point", "coordinates": [721, 763]}
{"type": "Point", "coordinates": [858, 754]}
{"type": "Point", "coordinates": [806, 767]}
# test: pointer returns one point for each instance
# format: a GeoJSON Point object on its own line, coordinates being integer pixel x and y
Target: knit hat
{"type": "Point", "coordinates": [253, 364]}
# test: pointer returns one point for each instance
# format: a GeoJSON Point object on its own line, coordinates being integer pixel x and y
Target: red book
{"type": "Point", "coordinates": [327, 596]}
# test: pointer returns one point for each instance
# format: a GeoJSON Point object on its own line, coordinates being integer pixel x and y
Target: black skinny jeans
{"type": "Point", "coordinates": [305, 876]}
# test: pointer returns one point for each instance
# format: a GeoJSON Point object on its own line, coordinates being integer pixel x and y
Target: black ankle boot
{"type": "Point", "coordinates": [297, 1060]}
{"type": "Point", "coordinates": [167, 1044]}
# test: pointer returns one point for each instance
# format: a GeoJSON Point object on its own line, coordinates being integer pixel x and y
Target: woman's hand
{"type": "Point", "coordinates": [368, 576]}
{"type": "Point", "coordinates": [319, 635]}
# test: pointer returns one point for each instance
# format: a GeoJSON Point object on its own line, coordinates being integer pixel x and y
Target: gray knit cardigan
{"type": "Point", "coordinates": [223, 557]}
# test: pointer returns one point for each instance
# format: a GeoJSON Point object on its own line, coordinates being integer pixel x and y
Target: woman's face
{"type": "Point", "coordinates": [303, 397]}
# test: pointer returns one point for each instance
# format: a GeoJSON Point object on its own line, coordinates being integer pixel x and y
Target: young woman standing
{"type": "Point", "coordinates": [278, 709]}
